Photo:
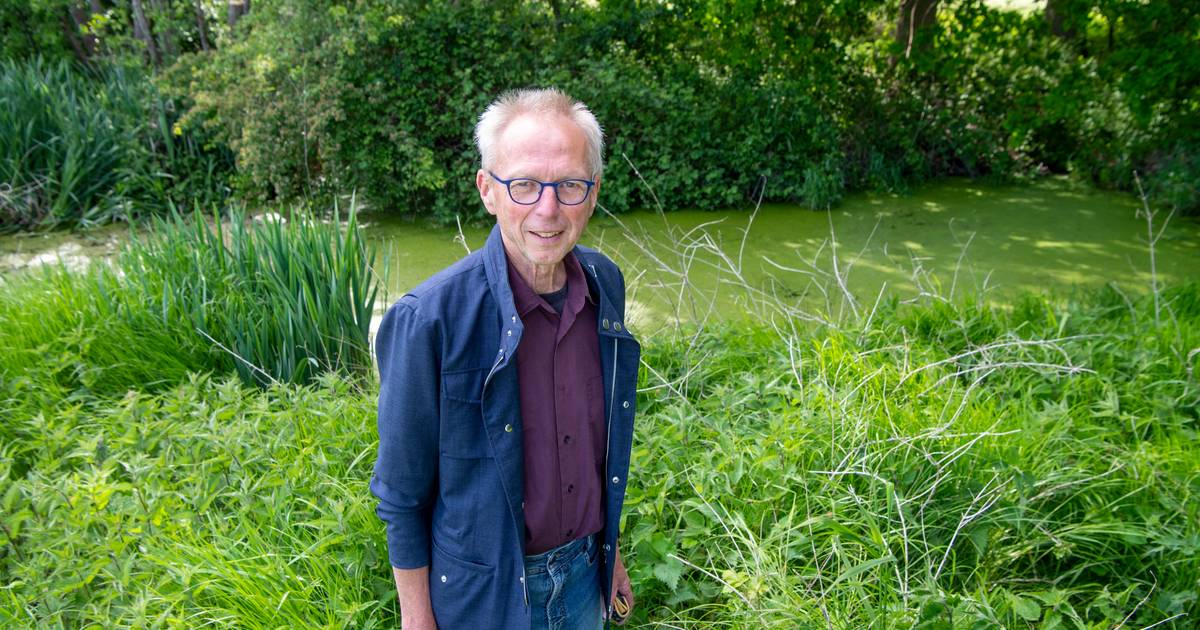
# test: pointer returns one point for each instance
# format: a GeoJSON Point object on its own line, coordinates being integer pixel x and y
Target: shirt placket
{"type": "Point", "coordinates": [566, 435]}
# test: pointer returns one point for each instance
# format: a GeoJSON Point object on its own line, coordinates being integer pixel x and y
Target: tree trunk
{"type": "Point", "coordinates": [86, 41]}
{"type": "Point", "coordinates": [237, 8]}
{"type": "Point", "coordinates": [915, 15]}
{"type": "Point", "coordinates": [201, 25]}
{"type": "Point", "coordinates": [141, 30]}
{"type": "Point", "coordinates": [71, 31]}
{"type": "Point", "coordinates": [165, 27]}
{"type": "Point", "coordinates": [1063, 24]}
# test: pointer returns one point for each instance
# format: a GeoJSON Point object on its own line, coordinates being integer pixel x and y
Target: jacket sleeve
{"type": "Point", "coordinates": [405, 475]}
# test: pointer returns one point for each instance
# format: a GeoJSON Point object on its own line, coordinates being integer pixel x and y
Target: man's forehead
{"type": "Point", "coordinates": [539, 125]}
{"type": "Point", "coordinates": [537, 136]}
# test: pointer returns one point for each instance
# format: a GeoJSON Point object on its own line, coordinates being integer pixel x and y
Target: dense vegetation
{"type": "Point", "coordinates": [95, 146]}
{"type": "Point", "coordinates": [713, 103]}
{"type": "Point", "coordinates": [936, 464]}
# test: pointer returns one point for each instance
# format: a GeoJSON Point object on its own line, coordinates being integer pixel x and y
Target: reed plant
{"type": "Point", "coordinates": [274, 300]}
{"type": "Point", "coordinates": [85, 146]}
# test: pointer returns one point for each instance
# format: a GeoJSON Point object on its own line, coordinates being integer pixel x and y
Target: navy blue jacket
{"type": "Point", "coordinates": [450, 472]}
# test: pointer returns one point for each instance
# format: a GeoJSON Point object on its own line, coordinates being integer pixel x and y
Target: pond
{"type": "Point", "coordinates": [949, 238]}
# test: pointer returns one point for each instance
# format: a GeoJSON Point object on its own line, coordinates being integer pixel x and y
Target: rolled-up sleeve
{"type": "Point", "coordinates": [405, 474]}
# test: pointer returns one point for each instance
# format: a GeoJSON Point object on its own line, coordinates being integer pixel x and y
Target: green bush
{"type": "Point", "coordinates": [383, 101]}
{"type": "Point", "coordinates": [707, 104]}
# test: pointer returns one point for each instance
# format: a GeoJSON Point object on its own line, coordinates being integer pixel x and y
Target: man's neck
{"type": "Point", "coordinates": [544, 278]}
{"type": "Point", "coordinates": [540, 278]}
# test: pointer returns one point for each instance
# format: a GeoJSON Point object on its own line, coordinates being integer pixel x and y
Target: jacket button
{"type": "Point", "coordinates": [510, 333]}
{"type": "Point", "coordinates": [604, 324]}
{"type": "Point", "coordinates": [617, 326]}
{"type": "Point", "coordinates": [443, 579]}
{"type": "Point", "coordinates": [508, 428]}
{"type": "Point", "coordinates": [625, 404]}
{"type": "Point", "coordinates": [606, 547]}
{"type": "Point", "coordinates": [616, 479]}
{"type": "Point", "coordinates": [514, 319]}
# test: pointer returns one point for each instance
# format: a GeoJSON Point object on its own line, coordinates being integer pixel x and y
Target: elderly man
{"type": "Point", "coordinates": [506, 399]}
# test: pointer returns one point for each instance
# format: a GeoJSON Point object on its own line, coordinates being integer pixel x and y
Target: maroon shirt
{"type": "Point", "coordinates": [562, 413]}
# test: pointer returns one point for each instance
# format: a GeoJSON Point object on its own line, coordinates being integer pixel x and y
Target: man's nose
{"type": "Point", "coordinates": [548, 203]}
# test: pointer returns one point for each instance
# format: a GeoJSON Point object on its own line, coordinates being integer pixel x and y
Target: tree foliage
{"type": "Point", "coordinates": [706, 103]}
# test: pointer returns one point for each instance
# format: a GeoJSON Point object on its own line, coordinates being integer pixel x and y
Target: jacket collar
{"type": "Point", "coordinates": [495, 265]}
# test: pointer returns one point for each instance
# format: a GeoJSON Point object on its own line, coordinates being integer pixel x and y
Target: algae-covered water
{"type": "Point", "coordinates": [946, 238]}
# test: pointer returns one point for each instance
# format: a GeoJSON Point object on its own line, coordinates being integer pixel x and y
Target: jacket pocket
{"type": "Point", "coordinates": [457, 587]}
{"type": "Point", "coordinates": [462, 432]}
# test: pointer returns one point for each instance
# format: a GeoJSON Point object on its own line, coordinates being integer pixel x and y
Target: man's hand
{"type": "Point", "coordinates": [412, 586]}
{"type": "Point", "coordinates": [621, 588]}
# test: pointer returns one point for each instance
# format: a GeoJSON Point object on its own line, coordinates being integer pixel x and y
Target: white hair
{"type": "Point", "coordinates": [548, 101]}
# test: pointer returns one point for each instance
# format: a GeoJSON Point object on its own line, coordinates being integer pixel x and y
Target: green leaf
{"type": "Point", "coordinates": [669, 572]}
{"type": "Point", "coordinates": [1026, 608]}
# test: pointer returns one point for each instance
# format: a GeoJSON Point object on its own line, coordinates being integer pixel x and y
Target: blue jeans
{"type": "Point", "coordinates": [564, 587]}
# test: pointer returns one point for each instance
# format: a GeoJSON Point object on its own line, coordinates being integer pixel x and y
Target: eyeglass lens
{"type": "Point", "coordinates": [569, 191]}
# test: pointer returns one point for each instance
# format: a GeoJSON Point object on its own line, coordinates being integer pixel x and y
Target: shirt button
{"type": "Point", "coordinates": [570, 487]}
{"type": "Point", "coordinates": [514, 319]}
{"type": "Point", "coordinates": [570, 531]}
{"type": "Point", "coordinates": [443, 579]}
{"type": "Point", "coordinates": [604, 324]}
{"type": "Point", "coordinates": [566, 439]}
{"type": "Point", "coordinates": [617, 326]}
{"type": "Point", "coordinates": [510, 333]}
{"type": "Point", "coordinates": [616, 479]}
{"type": "Point", "coordinates": [606, 547]}
{"type": "Point", "coordinates": [508, 428]}
{"type": "Point", "coordinates": [625, 404]}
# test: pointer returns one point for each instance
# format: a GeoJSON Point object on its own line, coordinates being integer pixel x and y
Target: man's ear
{"type": "Point", "coordinates": [485, 183]}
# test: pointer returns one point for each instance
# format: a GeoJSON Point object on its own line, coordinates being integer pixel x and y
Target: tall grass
{"type": "Point", "coordinates": [281, 300]}
{"type": "Point", "coordinates": [275, 301]}
{"type": "Point", "coordinates": [947, 466]}
{"type": "Point", "coordinates": [923, 471]}
{"type": "Point", "coordinates": [81, 146]}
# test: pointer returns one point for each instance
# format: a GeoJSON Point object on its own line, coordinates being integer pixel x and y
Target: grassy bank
{"type": "Point", "coordinates": [932, 465]}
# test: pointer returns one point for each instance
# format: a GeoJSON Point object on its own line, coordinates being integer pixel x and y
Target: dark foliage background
{"type": "Point", "coordinates": [713, 103]}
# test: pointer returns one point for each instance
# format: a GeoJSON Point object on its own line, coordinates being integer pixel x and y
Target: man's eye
{"type": "Point", "coordinates": [524, 185]}
{"type": "Point", "coordinates": [571, 185]}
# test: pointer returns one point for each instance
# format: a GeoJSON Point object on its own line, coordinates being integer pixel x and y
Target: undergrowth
{"type": "Point", "coordinates": [950, 465]}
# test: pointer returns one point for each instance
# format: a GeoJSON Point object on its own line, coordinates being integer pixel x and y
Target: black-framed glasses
{"type": "Point", "coordinates": [526, 191]}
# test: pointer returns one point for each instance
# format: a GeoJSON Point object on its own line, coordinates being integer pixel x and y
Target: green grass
{"type": "Point", "coordinates": [843, 485]}
{"type": "Point", "coordinates": [839, 484]}
{"type": "Point", "coordinates": [271, 301]}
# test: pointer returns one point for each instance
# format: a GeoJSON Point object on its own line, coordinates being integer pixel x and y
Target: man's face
{"type": "Point", "coordinates": [537, 237]}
